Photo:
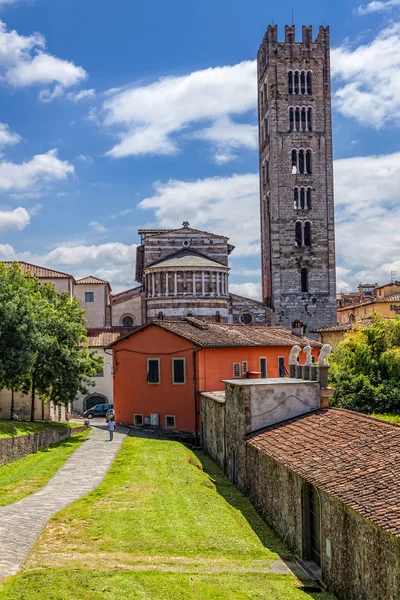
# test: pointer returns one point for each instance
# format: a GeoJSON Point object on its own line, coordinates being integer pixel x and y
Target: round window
{"type": "Point", "coordinates": [186, 243]}
{"type": "Point", "coordinates": [190, 313]}
{"type": "Point", "coordinates": [127, 321]}
{"type": "Point", "coordinates": [246, 318]}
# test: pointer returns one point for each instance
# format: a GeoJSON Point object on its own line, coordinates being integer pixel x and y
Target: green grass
{"type": "Point", "coordinates": [387, 417]}
{"type": "Point", "coordinates": [113, 585]}
{"type": "Point", "coordinates": [164, 524]}
{"type": "Point", "coordinates": [11, 428]}
{"type": "Point", "coordinates": [26, 475]}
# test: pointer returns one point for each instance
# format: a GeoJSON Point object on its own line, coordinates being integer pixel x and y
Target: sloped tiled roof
{"type": "Point", "coordinates": [345, 326]}
{"type": "Point", "coordinates": [101, 337]}
{"type": "Point", "coordinates": [187, 258]}
{"type": "Point", "coordinates": [126, 294]}
{"type": "Point", "coordinates": [180, 230]}
{"type": "Point", "coordinates": [39, 272]}
{"type": "Point", "coordinates": [92, 280]}
{"type": "Point", "coordinates": [352, 457]}
{"type": "Point", "coordinates": [214, 335]}
{"type": "Point", "coordinates": [392, 298]}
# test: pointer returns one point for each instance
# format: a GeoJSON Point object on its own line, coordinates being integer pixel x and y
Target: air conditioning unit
{"type": "Point", "coordinates": [147, 420]}
{"type": "Point", "coordinates": [155, 420]}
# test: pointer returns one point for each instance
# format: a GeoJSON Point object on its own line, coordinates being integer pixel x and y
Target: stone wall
{"type": "Point", "coordinates": [14, 447]}
{"type": "Point", "coordinates": [43, 411]}
{"type": "Point", "coordinates": [360, 561]}
{"type": "Point", "coordinates": [239, 305]}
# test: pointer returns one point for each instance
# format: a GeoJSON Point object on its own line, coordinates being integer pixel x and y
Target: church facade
{"type": "Point", "coordinates": [184, 273]}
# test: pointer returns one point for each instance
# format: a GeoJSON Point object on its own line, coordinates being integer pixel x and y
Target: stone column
{"type": "Point", "coordinates": [203, 289]}
{"type": "Point", "coordinates": [167, 283]}
{"type": "Point", "coordinates": [175, 283]}
{"type": "Point", "coordinates": [217, 282]}
{"type": "Point", "coordinates": [153, 285]}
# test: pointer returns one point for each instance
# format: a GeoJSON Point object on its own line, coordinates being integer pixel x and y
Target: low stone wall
{"type": "Point", "coordinates": [17, 446]}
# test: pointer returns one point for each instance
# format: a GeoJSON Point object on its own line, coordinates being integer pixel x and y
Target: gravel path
{"type": "Point", "coordinates": [21, 523]}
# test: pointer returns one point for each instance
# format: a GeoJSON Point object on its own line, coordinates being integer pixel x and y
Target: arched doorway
{"type": "Point", "coordinates": [91, 401]}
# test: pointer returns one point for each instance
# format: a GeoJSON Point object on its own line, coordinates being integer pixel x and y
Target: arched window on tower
{"type": "Point", "coordinates": [302, 198]}
{"type": "Point", "coordinates": [303, 82]}
{"type": "Point", "coordinates": [307, 233]}
{"type": "Point", "coordinates": [301, 162]}
{"type": "Point", "coordinates": [296, 82]}
{"type": "Point", "coordinates": [290, 82]}
{"type": "Point", "coordinates": [298, 232]}
{"type": "Point", "coordinates": [308, 165]}
{"type": "Point", "coordinates": [309, 82]}
{"type": "Point", "coordinates": [308, 198]}
{"type": "Point", "coordinates": [309, 119]}
{"type": "Point", "coordinates": [304, 280]}
{"type": "Point", "coordinates": [295, 169]}
{"type": "Point", "coordinates": [291, 119]}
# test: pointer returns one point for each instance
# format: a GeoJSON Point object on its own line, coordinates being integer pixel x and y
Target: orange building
{"type": "Point", "coordinates": [160, 369]}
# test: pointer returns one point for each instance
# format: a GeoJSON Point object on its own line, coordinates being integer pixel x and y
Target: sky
{"type": "Point", "coordinates": [117, 115]}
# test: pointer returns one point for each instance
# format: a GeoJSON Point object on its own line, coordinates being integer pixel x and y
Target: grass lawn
{"type": "Point", "coordinates": [164, 524]}
{"type": "Point", "coordinates": [28, 474]}
{"type": "Point", "coordinates": [387, 417]}
{"type": "Point", "coordinates": [10, 428]}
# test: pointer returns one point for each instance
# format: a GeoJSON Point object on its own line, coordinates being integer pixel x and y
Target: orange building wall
{"type": "Point", "coordinates": [134, 395]}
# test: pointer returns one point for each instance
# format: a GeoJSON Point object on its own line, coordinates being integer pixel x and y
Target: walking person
{"type": "Point", "coordinates": [111, 428]}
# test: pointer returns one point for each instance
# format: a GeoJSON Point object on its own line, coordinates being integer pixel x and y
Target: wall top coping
{"type": "Point", "coordinates": [215, 396]}
{"type": "Point", "coordinates": [269, 381]}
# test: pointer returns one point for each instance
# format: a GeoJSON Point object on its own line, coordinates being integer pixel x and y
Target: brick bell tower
{"type": "Point", "coordinates": [296, 178]}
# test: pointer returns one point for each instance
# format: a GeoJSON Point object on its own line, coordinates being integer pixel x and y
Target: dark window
{"type": "Point", "coordinates": [281, 365]}
{"type": "Point", "coordinates": [309, 82]}
{"type": "Point", "coordinates": [296, 85]}
{"type": "Point", "coordinates": [307, 233]}
{"type": "Point", "coordinates": [217, 317]}
{"type": "Point", "coordinates": [170, 422]}
{"type": "Point", "coordinates": [291, 118]}
{"type": "Point", "coordinates": [236, 370]}
{"type": "Point", "coordinates": [294, 162]}
{"type": "Point", "coordinates": [246, 318]}
{"type": "Point", "coordinates": [309, 192]}
{"type": "Point", "coordinates": [178, 370]}
{"type": "Point", "coordinates": [153, 366]}
{"type": "Point", "coordinates": [296, 198]}
{"type": "Point", "coordinates": [263, 367]}
{"type": "Point", "coordinates": [290, 82]}
{"type": "Point", "coordinates": [303, 82]}
{"type": "Point", "coordinates": [308, 162]}
{"type": "Point", "coordinates": [302, 162]}
{"type": "Point", "coordinates": [309, 119]}
{"type": "Point", "coordinates": [298, 234]}
{"type": "Point", "coordinates": [245, 367]}
{"type": "Point", "coordinates": [160, 316]}
{"type": "Point", "coordinates": [304, 280]}
{"type": "Point", "coordinates": [127, 321]}
{"type": "Point", "coordinates": [138, 420]}
{"type": "Point", "coordinates": [89, 296]}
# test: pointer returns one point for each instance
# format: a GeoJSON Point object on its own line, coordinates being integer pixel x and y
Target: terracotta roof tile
{"type": "Point", "coordinates": [100, 337]}
{"type": "Point", "coordinates": [345, 326]}
{"type": "Point", "coordinates": [40, 272]}
{"type": "Point", "coordinates": [215, 335]}
{"type": "Point", "coordinates": [353, 457]}
{"type": "Point", "coordinates": [91, 279]}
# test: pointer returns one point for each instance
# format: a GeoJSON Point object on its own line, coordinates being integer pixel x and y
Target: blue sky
{"type": "Point", "coordinates": [119, 115]}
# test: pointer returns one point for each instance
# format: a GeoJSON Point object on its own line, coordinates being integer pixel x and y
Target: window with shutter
{"type": "Point", "coordinates": [153, 370]}
{"type": "Point", "coordinates": [236, 370]}
{"type": "Point", "coordinates": [178, 371]}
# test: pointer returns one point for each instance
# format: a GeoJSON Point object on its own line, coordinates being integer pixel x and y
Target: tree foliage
{"type": "Point", "coordinates": [365, 369]}
{"type": "Point", "coordinates": [43, 340]}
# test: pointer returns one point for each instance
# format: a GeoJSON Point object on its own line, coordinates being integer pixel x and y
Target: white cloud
{"type": "Point", "coordinates": [40, 169]}
{"type": "Point", "coordinates": [249, 290]}
{"type": "Point", "coordinates": [147, 119]}
{"type": "Point", "coordinates": [369, 75]}
{"type": "Point", "coordinates": [7, 137]}
{"type": "Point", "coordinates": [225, 205]}
{"type": "Point", "coordinates": [377, 6]}
{"type": "Point", "coordinates": [113, 253]}
{"type": "Point", "coordinates": [14, 220]}
{"type": "Point", "coordinates": [24, 62]}
{"type": "Point", "coordinates": [228, 136]}
{"type": "Point", "coordinates": [97, 227]}
{"type": "Point", "coordinates": [82, 95]}
{"type": "Point", "coordinates": [85, 158]}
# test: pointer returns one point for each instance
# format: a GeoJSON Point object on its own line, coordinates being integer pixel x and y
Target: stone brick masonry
{"type": "Point", "coordinates": [283, 259]}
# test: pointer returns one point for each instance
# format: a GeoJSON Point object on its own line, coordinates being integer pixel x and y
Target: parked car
{"type": "Point", "coordinates": [100, 410]}
{"type": "Point", "coordinates": [110, 414]}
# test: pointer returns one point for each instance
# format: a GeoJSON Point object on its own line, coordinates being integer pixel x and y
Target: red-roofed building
{"type": "Point", "coordinates": [160, 369]}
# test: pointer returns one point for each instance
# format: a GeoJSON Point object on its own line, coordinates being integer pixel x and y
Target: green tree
{"type": "Point", "coordinates": [18, 299]}
{"type": "Point", "coordinates": [365, 369]}
{"type": "Point", "coordinates": [63, 364]}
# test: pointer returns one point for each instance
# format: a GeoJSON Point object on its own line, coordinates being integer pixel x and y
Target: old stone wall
{"type": "Point", "coordinates": [43, 411]}
{"type": "Point", "coordinates": [14, 447]}
{"type": "Point", "coordinates": [240, 306]}
{"type": "Point", "coordinates": [213, 427]}
{"type": "Point", "coordinates": [282, 259]}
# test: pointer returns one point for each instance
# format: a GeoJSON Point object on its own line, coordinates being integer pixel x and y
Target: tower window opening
{"type": "Point", "coordinates": [302, 232]}
{"type": "Point", "coordinates": [290, 82]}
{"type": "Point", "coordinates": [307, 233]}
{"type": "Point", "coordinates": [296, 82]}
{"type": "Point", "coordinates": [302, 198]}
{"type": "Point", "coordinates": [304, 280]}
{"type": "Point", "coordinates": [298, 233]}
{"type": "Point", "coordinates": [301, 162]}
{"type": "Point", "coordinates": [303, 82]}
{"type": "Point", "coordinates": [309, 82]}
